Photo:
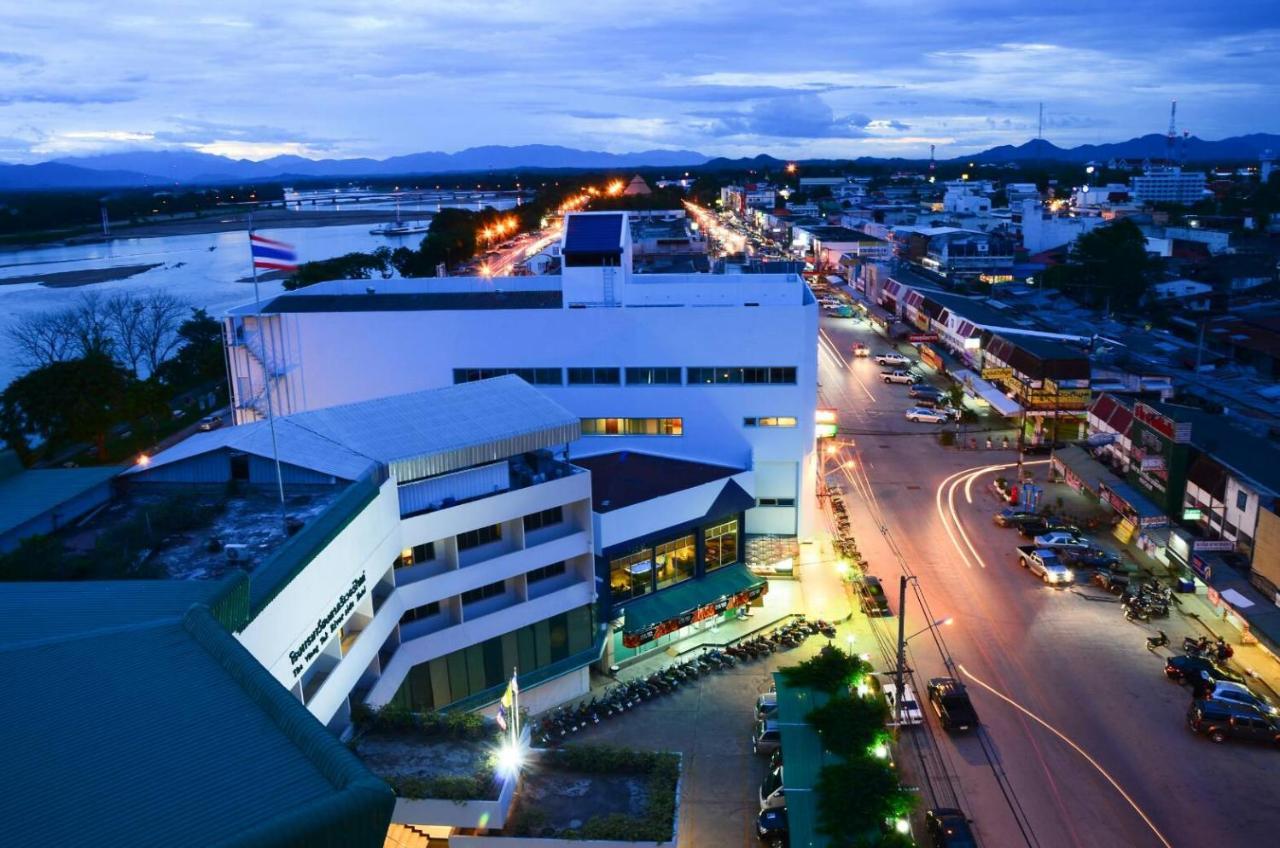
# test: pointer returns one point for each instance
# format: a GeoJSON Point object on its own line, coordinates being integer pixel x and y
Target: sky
{"type": "Point", "coordinates": [796, 80]}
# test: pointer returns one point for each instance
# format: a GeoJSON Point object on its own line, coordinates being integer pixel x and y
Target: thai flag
{"type": "Point", "coordinates": [271, 254]}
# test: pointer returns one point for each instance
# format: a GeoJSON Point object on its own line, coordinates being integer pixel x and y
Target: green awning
{"type": "Point", "coordinates": [687, 597]}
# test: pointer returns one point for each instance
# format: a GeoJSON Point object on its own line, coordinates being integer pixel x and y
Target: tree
{"type": "Point", "coordinates": [199, 360]}
{"type": "Point", "coordinates": [161, 315]}
{"type": "Point", "coordinates": [856, 798]}
{"type": "Point", "coordinates": [850, 725]}
{"type": "Point", "coordinates": [349, 266]}
{"type": "Point", "coordinates": [40, 338]}
{"type": "Point", "coordinates": [77, 400]}
{"type": "Point", "coordinates": [1108, 266]}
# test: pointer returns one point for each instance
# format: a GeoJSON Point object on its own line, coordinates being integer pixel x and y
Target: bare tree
{"type": "Point", "coordinates": [89, 326]}
{"type": "Point", "coordinates": [41, 338]}
{"type": "Point", "coordinates": [162, 314]}
{"type": "Point", "coordinates": [125, 318]}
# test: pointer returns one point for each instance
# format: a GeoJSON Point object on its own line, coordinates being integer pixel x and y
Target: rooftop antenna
{"type": "Point", "coordinates": [1040, 126]}
{"type": "Point", "coordinates": [1171, 139]}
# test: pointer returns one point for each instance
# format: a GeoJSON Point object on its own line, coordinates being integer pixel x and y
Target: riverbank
{"type": "Point", "coordinates": [86, 277]}
{"type": "Point", "coordinates": [220, 222]}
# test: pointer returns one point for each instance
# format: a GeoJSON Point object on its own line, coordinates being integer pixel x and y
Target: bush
{"type": "Point", "coordinates": [478, 786]}
{"type": "Point", "coordinates": [849, 726]}
{"type": "Point", "coordinates": [454, 725]}
{"type": "Point", "coordinates": [831, 670]}
{"type": "Point", "coordinates": [855, 798]}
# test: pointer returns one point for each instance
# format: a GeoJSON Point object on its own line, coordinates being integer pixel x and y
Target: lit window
{"type": "Point", "coordinates": [776, 421]}
{"type": "Point", "coordinates": [632, 426]}
{"type": "Point", "coordinates": [722, 544]}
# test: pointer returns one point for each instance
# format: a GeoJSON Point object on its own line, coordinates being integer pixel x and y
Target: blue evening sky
{"type": "Point", "coordinates": [324, 78]}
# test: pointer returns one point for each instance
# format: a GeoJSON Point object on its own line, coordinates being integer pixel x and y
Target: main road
{"type": "Point", "coordinates": [1084, 743]}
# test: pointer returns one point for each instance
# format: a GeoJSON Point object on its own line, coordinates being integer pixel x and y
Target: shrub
{"type": "Point", "coordinates": [477, 786]}
{"type": "Point", "coordinates": [830, 670]}
{"type": "Point", "coordinates": [855, 798]}
{"type": "Point", "coordinates": [849, 726]}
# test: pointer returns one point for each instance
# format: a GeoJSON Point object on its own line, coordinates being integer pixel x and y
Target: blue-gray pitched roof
{"type": "Point", "coordinates": [166, 731]}
{"type": "Point", "coordinates": [30, 494]}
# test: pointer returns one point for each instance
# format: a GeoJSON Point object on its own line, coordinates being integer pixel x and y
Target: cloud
{"type": "Point", "coordinates": [797, 116]}
{"type": "Point", "coordinates": [10, 58]}
{"type": "Point", "coordinates": [66, 98]}
{"type": "Point", "coordinates": [715, 93]}
{"type": "Point", "coordinates": [888, 125]}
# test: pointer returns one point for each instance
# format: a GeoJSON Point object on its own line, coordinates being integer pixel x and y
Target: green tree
{"type": "Point", "coordinates": [856, 798]}
{"type": "Point", "coordinates": [849, 726]}
{"type": "Point", "coordinates": [350, 266]}
{"type": "Point", "coordinates": [1108, 266]}
{"type": "Point", "coordinates": [200, 359]}
{"type": "Point", "coordinates": [76, 400]}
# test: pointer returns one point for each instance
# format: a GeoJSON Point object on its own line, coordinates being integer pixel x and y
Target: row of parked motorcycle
{"type": "Point", "coordinates": [569, 719]}
{"type": "Point", "coordinates": [1211, 649]}
{"type": "Point", "coordinates": [1149, 600]}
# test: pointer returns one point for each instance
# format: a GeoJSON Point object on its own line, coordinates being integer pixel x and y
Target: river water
{"type": "Point", "coordinates": [203, 269]}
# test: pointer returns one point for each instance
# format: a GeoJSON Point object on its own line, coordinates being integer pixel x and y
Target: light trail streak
{"type": "Point", "coordinates": [1081, 751]}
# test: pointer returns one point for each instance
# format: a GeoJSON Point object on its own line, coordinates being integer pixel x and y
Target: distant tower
{"type": "Point", "coordinates": [1040, 126]}
{"type": "Point", "coordinates": [1265, 165]}
{"type": "Point", "coordinates": [1171, 140]}
{"type": "Point", "coordinates": [932, 164]}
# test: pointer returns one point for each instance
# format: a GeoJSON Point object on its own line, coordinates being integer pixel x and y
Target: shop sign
{"type": "Point", "coordinates": [930, 357]}
{"type": "Point", "coordinates": [915, 338]}
{"type": "Point", "coordinates": [1201, 567]}
{"type": "Point", "coordinates": [1155, 521]}
{"type": "Point", "coordinates": [1192, 514]}
{"type": "Point", "coordinates": [1150, 463]}
{"type": "Point", "coordinates": [992, 373]}
{"type": "Point", "coordinates": [325, 626]}
{"type": "Point", "coordinates": [1174, 431]}
{"type": "Point", "coordinates": [671, 625]}
{"type": "Point", "coordinates": [1214, 545]}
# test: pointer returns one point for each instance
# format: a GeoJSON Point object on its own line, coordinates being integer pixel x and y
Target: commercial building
{"type": "Point", "coordinates": [1168, 185]}
{"type": "Point", "coordinates": [712, 368]}
{"type": "Point", "coordinates": [1043, 230]}
{"type": "Point", "coordinates": [446, 542]}
{"type": "Point", "coordinates": [969, 256]}
{"type": "Point", "coordinates": [35, 502]}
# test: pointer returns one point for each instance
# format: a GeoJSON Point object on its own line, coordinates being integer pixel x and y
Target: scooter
{"type": "Point", "coordinates": [1158, 641]}
{"type": "Point", "coordinates": [1195, 647]}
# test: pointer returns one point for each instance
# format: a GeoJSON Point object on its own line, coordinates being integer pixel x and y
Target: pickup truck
{"type": "Point", "coordinates": [1044, 563]}
{"type": "Point", "coordinates": [898, 377]}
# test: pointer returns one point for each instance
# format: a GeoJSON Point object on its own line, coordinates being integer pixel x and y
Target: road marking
{"type": "Point", "coordinates": [1074, 746]}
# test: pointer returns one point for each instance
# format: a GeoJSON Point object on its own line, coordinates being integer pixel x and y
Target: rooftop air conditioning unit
{"type": "Point", "coordinates": [236, 552]}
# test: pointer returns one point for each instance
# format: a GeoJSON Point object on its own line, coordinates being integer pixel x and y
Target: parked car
{"type": "Point", "coordinates": [948, 828]}
{"type": "Point", "coordinates": [1044, 563]}
{"type": "Point", "coordinates": [1062, 539]}
{"type": "Point", "coordinates": [874, 602]}
{"type": "Point", "coordinates": [904, 377]}
{"type": "Point", "coordinates": [210, 422]}
{"type": "Point", "coordinates": [1185, 669]}
{"type": "Point", "coordinates": [767, 705]}
{"type": "Point", "coordinates": [1223, 720]}
{"type": "Point", "coordinates": [771, 827]}
{"type": "Point", "coordinates": [1011, 516]}
{"type": "Point", "coordinates": [859, 349]}
{"type": "Point", "coordinates": [1098, 558]}
{"type": "Point", "coordinates": [910, 714]}
{"type": "Point", "coordinates": [1238, 693]}
{"type": "Point", "coordinates": [772, 792]}
{"type": "Point", "coordinates": [922, 392]}
{"type": "Point", "coordinates": [922, 415]}
{"type": "Point", "coordinates": [951, 702]}
{"type": "Point", "coordinates": [891, 359]}
{"type": "Point", "coordinates": [767, 738]}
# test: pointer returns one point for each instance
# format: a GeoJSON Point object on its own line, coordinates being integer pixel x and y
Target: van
{"type": "Point", "coordinates": [772, 792]}
{"type": "Point", "coordinates": [767, 738]}
{"type": "Point", "coordinates": [911, 714]}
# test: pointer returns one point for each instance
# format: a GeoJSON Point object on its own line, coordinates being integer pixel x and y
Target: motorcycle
{"type": "Point", "coordinates": [1159, 641]}
{"type": "Point", "coordinates": [1195, 647]}
{"type": "Point", "coordinates": [827, 629]}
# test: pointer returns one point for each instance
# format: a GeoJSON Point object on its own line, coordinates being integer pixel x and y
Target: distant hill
{"type": "Point", "coordinates": [54, 176]}
{"type": "Point", "coordinates": [1154, 145]}
{"type": "Point", "coordinates": [190, 167]}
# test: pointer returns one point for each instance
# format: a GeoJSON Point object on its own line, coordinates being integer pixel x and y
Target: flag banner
{"type": "Point", "coordinates": [271, 254]}
{"type": "Point", "coordinates": [505, 705]}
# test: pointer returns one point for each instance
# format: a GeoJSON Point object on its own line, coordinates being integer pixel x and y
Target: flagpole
{"type": "Point", "coordinates": [266, 380]}
{"type": "Point", "coordinates": [515, 709]}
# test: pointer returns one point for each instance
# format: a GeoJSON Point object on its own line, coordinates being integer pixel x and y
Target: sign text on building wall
{"type": "Point", "coordinates": [342, 607]}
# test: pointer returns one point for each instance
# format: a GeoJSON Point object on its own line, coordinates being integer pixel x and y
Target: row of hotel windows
{"type": "Point", "coordinates": [645, 376]}
{"type": "Point", "coordinates": [664, 426]}
{"type": "Point", "coordinates": [491, 590]}
{"type": "Point", "coordinates": [650, 569]}
{"type": "Point", "coordinates": [480, 536]}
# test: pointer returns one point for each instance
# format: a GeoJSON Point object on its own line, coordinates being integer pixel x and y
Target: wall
{"type": "Point", "coordinates": [1266, 550]}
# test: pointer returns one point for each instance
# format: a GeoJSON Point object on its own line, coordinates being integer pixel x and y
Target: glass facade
{"type": "Point", "coordinates": [675, 560]}
{"type": "Point", "coordinates": [654, 377]}
{"type": "Point", "coordinates": [632, 426]}
{"type": "Point", "coordinates": [533, 376]}
{"type": "Point", "coordinates": [631, 576]}
{"type": "Point", "coordinates": [487, 665]}
{"type": "Point", "coordinates": [594, 376]}
{"type": "Point", "coordinates": [722, 544]}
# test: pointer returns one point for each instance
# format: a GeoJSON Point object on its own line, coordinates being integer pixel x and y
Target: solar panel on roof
{"type": "Point", "coordinates": [594, 234]}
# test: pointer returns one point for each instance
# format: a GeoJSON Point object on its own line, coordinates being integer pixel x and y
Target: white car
{"type": "Point", "coordinates": [1235, 693]}
{"type": "Point", "coordinates": [920, 414]}
{"type": "Point", "coordinates": [911, 713]}
{"type": "Point", "coordinates": [898, 377]}
{"type": "Point", "coordinates": [891, 359]}
{"type": "Point", "coordinates": [1061, 539]}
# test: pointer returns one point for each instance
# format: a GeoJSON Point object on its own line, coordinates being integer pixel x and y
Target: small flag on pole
{"type": "Point", "coordinates": [271, 254]}
{"type": "Point", "coordinates": [504, 708]}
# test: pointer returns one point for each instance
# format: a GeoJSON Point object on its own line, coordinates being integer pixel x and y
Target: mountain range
{"type": "Point", "coordinates": [186, 167]}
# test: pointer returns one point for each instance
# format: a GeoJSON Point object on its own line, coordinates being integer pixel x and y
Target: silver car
{"type": "Point", "coordinates": [920, 414]}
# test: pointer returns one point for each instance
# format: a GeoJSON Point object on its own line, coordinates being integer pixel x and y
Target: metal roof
{"type": "Point", "coordinates": [167, 731]}
{"type": "Point", "coordinates": [407, 302]}
{"type": "Point", "coordinates": [416, 435]}
{"type": "Point", "coordinates": [804, 757]}
{"type": "Point", "coordinates": [29, 494]}
{"type": "Point", "coordinates": [594, 233]}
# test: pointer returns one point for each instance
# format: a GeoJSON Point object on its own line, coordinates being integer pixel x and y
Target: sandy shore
{"type": "Point", "coordinates": [72, 279]}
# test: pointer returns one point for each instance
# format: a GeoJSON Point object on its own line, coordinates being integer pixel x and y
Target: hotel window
{"type": "Point", "coordinates": [545, 518]}
{"type": "Point", "coordinates": [490, 591]}
{"type": "Point", "coordinates": [533, 376]}
{"type": "Point", "coordinates": [631, 575]}
{"type": "Point", "coordinates": [675, 560]}
{"type": "Point", "coordinates": [775, 501]}
{"type": "Point", "coordinates": [553, 570]}
{"type": "Point", "coordinates": [1242, 500]}
{"type": "Point", "coordinates": [722, 544]}
{"type": "Point", "coordinates": [416, 554]}
{"type": "Point", "coordinates": [482, 536]}
{"type": "Point", "coordinates": [419, 613]}
{"type": "Point", "coordinates": [779, 421]}
{"type": "Point", "coordinates": [653, 377]}
{"type": "Point", "coordinates": [594, 376]}
{"type": "Point", "coordinates": [735, 375]}
{"type": "Point", "coordinates": [632, 426]}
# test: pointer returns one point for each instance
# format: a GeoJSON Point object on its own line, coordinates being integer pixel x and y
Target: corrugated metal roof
{"type": "Point", "coordinates": [594, 233]}
{"type": "Point", "coordinates": [416, 435]}
{"type": "Point", "coordinates": [168, 732]}
{"type": "Point", "coordinates": [30, 494]}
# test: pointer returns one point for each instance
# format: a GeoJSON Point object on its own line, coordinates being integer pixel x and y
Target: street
{"type": "Point", "coordinates": [1084, 742]}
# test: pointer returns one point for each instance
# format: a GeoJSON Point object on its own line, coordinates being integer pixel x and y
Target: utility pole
{"type": "Point", "coordinates": [902, 648]}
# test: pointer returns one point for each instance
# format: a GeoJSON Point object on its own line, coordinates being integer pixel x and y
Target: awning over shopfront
{"type": "Point", "coordinates": [1081, 469]}
{"type": "Point", "coordinates": [694, 600]}
{"type": "Point", "coordinates": [1000, 402]}
{"type": "Point", "coordinates": [1132, 503]}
